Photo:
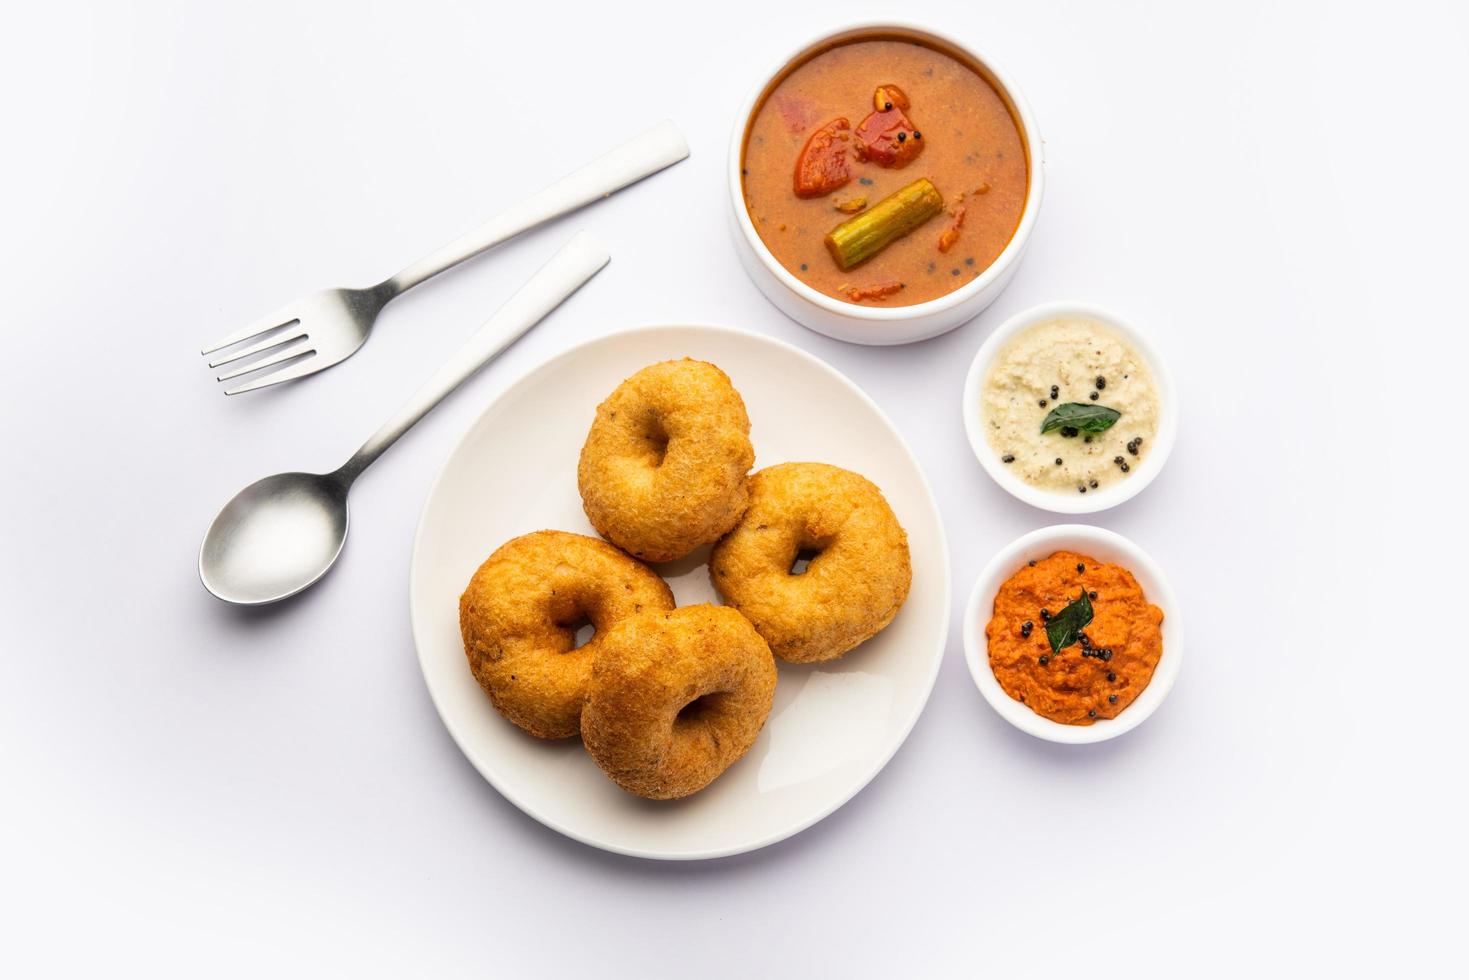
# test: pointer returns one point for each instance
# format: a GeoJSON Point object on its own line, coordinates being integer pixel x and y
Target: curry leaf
{"type": "Point", "coordinates": [1083, 418]}
{"type": "Point", "coordinates": [1065, 627]}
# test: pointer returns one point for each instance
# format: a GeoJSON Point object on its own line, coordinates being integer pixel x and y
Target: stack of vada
{"type": "Point", "coordinates": [808, 558]}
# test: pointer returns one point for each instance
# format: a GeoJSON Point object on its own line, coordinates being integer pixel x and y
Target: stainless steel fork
{"type": "Point", "coordinates": [327, 327]}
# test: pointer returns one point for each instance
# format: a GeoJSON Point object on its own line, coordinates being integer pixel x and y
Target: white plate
{"type": "Point", "coordinates": [833, 727]}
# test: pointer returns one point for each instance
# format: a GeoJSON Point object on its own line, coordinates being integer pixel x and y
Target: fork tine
{"type": "Point", "coordinates": [285, 337]}
{"type": "Point", "coordinates": [296, 351]}
{"type": "Point", "coordinates": [303, 367]}
{"type": "Point", "coordinates": [280, 318]}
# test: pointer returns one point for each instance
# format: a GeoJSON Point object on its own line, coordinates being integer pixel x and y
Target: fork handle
{"type": "Point", "coordinates": [644, 155]}
{"type": "Point", "coordinates": [569, 269]}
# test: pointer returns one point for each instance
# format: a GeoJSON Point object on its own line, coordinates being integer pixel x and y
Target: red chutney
{"type": "Point", "coordinates": [1080, 683]}
{"type": "Point", "coordinates": [856, 122]}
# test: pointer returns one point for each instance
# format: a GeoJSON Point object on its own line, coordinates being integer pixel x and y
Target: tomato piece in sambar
{"type": "Point", "coordinates": [822, 166]}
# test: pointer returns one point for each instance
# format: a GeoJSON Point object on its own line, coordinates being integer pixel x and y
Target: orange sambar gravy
{"type": "Point", "coordinates": [971, 149]}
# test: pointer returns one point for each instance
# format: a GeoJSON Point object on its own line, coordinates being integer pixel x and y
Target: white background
{"type": "Point", "coordinates": [1276, 191]}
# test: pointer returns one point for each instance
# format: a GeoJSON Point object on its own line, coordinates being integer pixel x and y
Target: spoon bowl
{"type": "Point", "coordinates": [275, 537]}
{"type": "Point", "coordinates": [281, 534]}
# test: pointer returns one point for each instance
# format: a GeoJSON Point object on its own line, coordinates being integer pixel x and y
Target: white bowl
{"type": "Point", "coordinates": [1106, 546]}
{"type": "Point", "coordinates": [896, 324]}
{"type": "Point", "coordinates": [1055, 501]}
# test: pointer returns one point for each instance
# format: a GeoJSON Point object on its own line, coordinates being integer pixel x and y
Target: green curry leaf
{"type": "Point", "coordinates": [1083, 418]}
{"type": "Point", "coordinates": [1065, 627]}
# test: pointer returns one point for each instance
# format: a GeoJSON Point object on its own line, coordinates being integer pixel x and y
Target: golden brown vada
{"type": "Point", "coordinates": [676, 698]}
{"type": "Point", "coordinates": [520, 614]}
{"type": "Point", "coordinates": [857, 570]}
{"type": "Point", "coordinates": [665, 465]}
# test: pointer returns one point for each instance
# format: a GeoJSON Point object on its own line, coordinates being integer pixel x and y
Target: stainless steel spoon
{"type": "Point", "coordinates": [280, 535]}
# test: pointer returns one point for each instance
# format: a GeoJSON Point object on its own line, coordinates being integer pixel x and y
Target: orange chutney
{"type": "Point", "coordinates": [1097, 677]}
{"type": "Point", "coordinates": [819, 125]}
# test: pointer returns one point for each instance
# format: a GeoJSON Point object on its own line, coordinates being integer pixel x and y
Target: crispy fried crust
{"type": "Point", "coordinates": [520, 614]}
{"type": "Point", "coordinates": [665, 465]}
{"type": "Point", "coordinates": [676, 698]}
{"type": "Point", "coordinates": [851, 589]}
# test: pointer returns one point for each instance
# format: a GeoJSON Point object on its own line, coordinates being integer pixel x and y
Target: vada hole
{"type": "Point", "coordinates": [583, 628]}
{"type": "Point", "coordinates": [656, 438]}
{"type": "Point", "coordinates": [698, 709]}
{"type": "Point", "coordinates": [804, 558]}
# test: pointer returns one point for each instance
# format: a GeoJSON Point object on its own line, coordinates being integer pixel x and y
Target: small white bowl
{"type": "Point", "coordinates": [1070, 503]}
{"type": "Point", "coordinates": [1106, 546]}
{"type": "Point", "coordinates": [885, 325]}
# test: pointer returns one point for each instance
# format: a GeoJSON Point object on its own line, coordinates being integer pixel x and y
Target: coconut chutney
{"type": "Point", "coordinates": [1070, 405]}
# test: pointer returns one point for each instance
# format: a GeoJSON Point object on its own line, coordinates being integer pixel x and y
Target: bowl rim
{"type": "Point", "coordinates": [1014, 249]}
{"type": "Point", "coordinates": [1109, 546]}
{"type": "Point", "coordinates": [1052, 500]}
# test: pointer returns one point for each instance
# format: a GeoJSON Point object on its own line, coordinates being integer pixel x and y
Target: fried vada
{"type": "Point", "coordinates": [665, 466]}
{"type": "Point", "coordinates": [855, 554]}
{"type": "Point", "coordinates": [521, 612]}
{"type": "Point", "coordinates": [676, 698]}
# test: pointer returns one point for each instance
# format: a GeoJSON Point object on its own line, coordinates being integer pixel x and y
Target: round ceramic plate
{"type": "Point", "coordinates": [833, 726]}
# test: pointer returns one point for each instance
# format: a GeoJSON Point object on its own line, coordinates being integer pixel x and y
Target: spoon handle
{"type": "Point", "coordinates": [569, 269]}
